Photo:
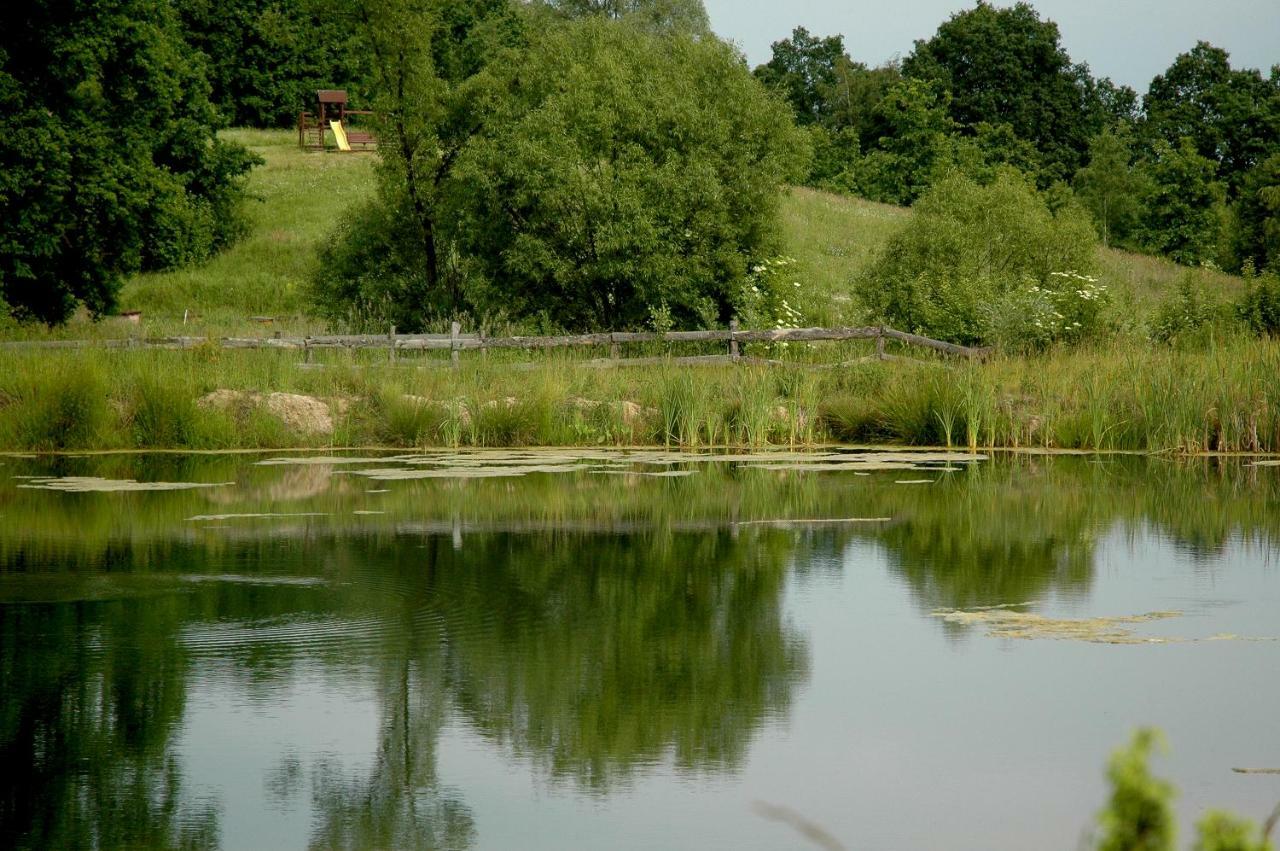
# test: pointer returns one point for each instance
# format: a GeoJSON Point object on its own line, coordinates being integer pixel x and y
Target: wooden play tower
{"type": "Point", "coordinates": [334, 127]}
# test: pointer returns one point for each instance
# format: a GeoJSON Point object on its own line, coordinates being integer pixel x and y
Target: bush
{"type": "Point", "coordinates": [1185, 315]}
{"type": "Point", "coordinates": [983, 264]}
{"type": "Point", "coordinates": [1259, 307]}
{"type": "Point", "coordinates": [1139, 817]}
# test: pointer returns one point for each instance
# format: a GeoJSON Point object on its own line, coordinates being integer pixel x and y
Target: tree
{"type": "Point", "coordinates": [854, 93]}
{"type": "Point", "coordinates": [1111, 186]}
{"type": "Point", "coordinates": [1258, 211]}
{"type": "Point", "coordinates": [1232, 117]}
{"type": "Point", "coordinates": [1006, 66]}
{"type": "Point", "coordinates": [913, 143]}
{"type": "Point", "coordinates": [430, 82]}
{"type": "Point", "coordinates": [266, 58]}
{"type": "Point", "coordinates": [807, 71]}
{"type": "Point", "coordinates": [1184, 207]}
{"type": "Point", "coordinates": [621, 172]}
{"type": "Point", "coordinates": [686, 16]}
{"type": "Point", "coordinates": [110, 161]}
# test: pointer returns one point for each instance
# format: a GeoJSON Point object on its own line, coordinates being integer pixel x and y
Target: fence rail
{"type": "Point", "coordinates": [456, 342]}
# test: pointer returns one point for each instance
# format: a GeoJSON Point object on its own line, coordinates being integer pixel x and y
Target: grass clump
{"type": "Point", "coordinates": [57, 405]}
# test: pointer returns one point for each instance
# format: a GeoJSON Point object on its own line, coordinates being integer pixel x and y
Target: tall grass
{"type": "Point", "coordinates": [1127, 396]}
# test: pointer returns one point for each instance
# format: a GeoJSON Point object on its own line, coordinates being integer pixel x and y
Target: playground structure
{"type": "Point", "coordinates": [332, 126]}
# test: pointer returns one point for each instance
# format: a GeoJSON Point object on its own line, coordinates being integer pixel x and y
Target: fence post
{"type": "Point", "coordinates": [880, 343]}
{"type": "Point", "coordinates": [391, 345]}
{"type": "Point", "coordinates": [454, 330]}
{"type": "Point", "coordinates": [306, 350]}
{"type": "Point", "coordinates": [614, 350]}
{"type": "Point", "coordinates": [733, 339]}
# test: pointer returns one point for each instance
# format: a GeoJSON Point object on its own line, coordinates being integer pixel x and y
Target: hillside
{"type": "Point", "coordinates": [299, 197]}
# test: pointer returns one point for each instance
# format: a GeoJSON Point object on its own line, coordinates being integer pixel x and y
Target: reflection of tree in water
{"type": "Point", "coordinates": [400, 803]}
{"type": "Point", "coordinates": [1027, 527]}
{"type": "Point", "coordinates": [596, 655]}
{"type": "Point", "coordinates": [85, 730]}
{"type": "Point", "coordinates": [994, 535]}
{"type": "Point", "coordinates": [593, 655]}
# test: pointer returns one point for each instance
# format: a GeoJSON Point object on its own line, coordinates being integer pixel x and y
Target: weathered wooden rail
{"type": "Point", "coordinates": [457, 342]}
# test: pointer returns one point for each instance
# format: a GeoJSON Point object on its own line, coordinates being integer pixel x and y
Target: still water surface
{"type": "Point", "coordinates": [424, 652]}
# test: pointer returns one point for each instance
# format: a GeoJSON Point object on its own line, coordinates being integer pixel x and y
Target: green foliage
{"type": "Point", "coordinates": [1138, 816]}
{"type": "Point", "coordinates": [1111, 186]}
{"type": "Point", "coordinates": [369, 276]}
{"type": "Point", "coordinates": [914, 145]}
{"type": "Point", "coordinates": [1221, 831]}
{"type": "Point", "coordinates": [803, 69]}
{"type": "Point", "coordinates": [109, 163]}
{"type": "Point", "coordinates": [431, 91]}
{"type": "Point", "coordinates": [1258, 209]}
{"type": "Point", "coordinates": [1183, 211]}
{"type": "Point", "coordinates": [771, 295]}
{"type": "Point", "coordinates": [1006, 66]}
{"type": "Point", "coordinates": [836, 156]}
{"type": "Point", "coordinates": [64, 407]}
{"type": "Point", "coordinates": [972, 259]}
{"type": "Point", "coordinates": [991, 147]}
{"type": "Point", "coordinates": [267, 58]}
{"type": "Point", "coordinates": [1259, 307]}
{"type": "Point", "coordinates": [1232, 117]}
{"type": "Point", "coordinates": [663, 16]}
{"type": "Point", "coordinates": [1187, 313]}
{"type": "Point", "coordinates": [621, 171]}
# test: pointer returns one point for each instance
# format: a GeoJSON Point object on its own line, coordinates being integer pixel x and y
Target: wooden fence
{"type": "Point", "coordinates": [457, 342]}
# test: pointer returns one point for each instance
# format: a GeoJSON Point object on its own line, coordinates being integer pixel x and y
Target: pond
{"type": "Point", "coordinates": [608, 650]}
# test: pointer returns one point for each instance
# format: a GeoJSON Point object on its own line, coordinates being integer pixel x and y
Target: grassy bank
{"type": "Point", "coordinates": [1137, 397]}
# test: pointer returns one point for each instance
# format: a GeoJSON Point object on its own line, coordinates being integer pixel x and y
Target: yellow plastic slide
{"type": "Point", "coordinates": [340, 135]}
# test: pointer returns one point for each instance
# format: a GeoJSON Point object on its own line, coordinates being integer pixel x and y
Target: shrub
{"type": "Point", "coordinates": [1184, 315]}
{"type": "Point", "coordinates": [367, 278]}
{"type": "Point", "coordinates": [981, 264]}
{"type": "Point", "coordinates": [1259, 307]}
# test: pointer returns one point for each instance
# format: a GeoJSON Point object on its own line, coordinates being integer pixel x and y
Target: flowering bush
{"type": "Point", "coordinates": [1070, 307]}
{"type": "Point", "coordinates": [770, 295]}
{"type": "Point", "coordinates": [980, 264]}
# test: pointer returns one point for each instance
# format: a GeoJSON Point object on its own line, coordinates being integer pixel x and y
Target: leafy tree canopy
{"type": "Point", "coordinates": [267, 58]}
{"type": "Point", "coordinates": [1183, 215]}
{"type": "Point", "coordinates": [1258, 210]}
{"type": "Point", "coordinates": [686, 16]}
{"type": "Point", "coordinates": [109, 163]}
{"type": "Point", "coordinates": [1007, 66]}
{"type": "Point", "coordinates": [1232, 117]}
{"type": "Point", "coordinates": [623, 172]}
{"type": "Point", "coordinates": [804, 68]}
{"type": "Point", "coordinates": [1111, 185]}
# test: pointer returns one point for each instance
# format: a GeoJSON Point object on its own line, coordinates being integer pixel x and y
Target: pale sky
{"type": "Point", "coordinates": [1129, 41]}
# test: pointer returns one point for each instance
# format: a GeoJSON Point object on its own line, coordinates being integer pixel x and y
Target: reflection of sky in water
{"type": "Point", "coordinates": [898, 729]}
{"type": "Point", "coordinates": [239, 749]}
